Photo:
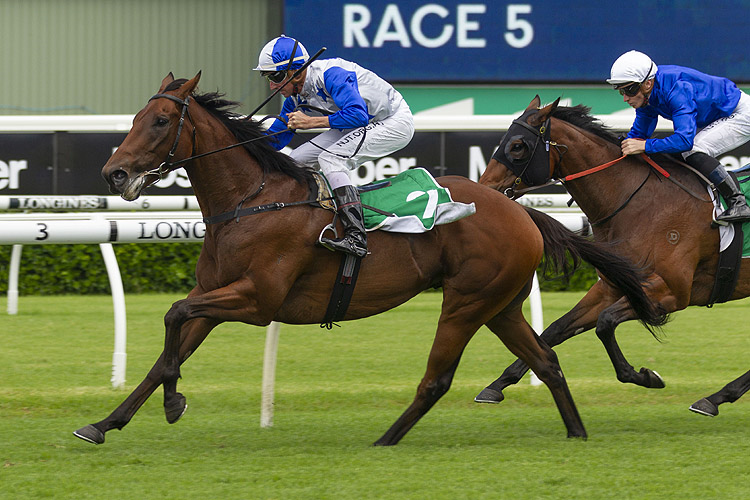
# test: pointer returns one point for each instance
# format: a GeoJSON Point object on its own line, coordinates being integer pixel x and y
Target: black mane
{"type": "Point", "coordinates": [244, 128]}
{"type": "Point", "coordinates": [580, 116]}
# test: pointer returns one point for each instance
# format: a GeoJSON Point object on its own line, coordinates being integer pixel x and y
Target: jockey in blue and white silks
{"type": "Point", "coordinates": [367, 119]}
{"type": "Point", "coordinates": [710, 116]}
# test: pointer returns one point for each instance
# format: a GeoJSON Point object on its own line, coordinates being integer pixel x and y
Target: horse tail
{"type": "Point", "coordinates": [559, 241]}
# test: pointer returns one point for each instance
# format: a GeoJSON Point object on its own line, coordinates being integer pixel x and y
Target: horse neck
{"type": "Point", "coordinates": [222, 180]}
{"type": "Point", "coordinates": [597, 194]}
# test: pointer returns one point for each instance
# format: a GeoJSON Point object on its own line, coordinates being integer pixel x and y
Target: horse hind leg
{"type": "Point", "coordinates": [515, 332]}
{"type": "Point", "coordinates": [450, 341]}
{"type": "Point", "coordinates": [730, 393]}
{"type": "Point", "coordinates": [192, 336]}
{"type": "Point", "coordinates": [576, 321]}
{"type": "Point", "coordinates": [608, 321]}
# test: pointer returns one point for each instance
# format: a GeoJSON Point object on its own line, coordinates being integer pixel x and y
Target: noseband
{"type": "Point", "coordinates": [167, 165]}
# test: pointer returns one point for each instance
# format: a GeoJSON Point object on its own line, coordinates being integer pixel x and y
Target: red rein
{"type": "Point", "coordinates": [609, 164]}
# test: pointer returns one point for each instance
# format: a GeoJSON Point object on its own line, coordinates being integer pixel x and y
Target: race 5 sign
{"type": "Point", "coordinates": [521, 41]}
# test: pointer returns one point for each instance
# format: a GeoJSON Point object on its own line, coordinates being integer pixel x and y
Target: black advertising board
{"type": "Point", "coordinates": [69, 163]}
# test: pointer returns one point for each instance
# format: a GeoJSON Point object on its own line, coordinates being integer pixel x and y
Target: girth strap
{"type": "Point", "coordinates": [728, 269]}
{"type": "Point", "coordinates": [343, 289]}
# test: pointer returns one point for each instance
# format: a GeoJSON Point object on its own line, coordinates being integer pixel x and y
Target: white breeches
{"type": "Point", "coordinates": [724, 134]}
{"type": "Point", "coordinates": [344, 150]}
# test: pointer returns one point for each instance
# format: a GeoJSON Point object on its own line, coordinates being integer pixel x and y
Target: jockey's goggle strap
{"type": "Point", "coordinates": [631, 89]}
{"type": "Point", "coordinates": [279, 76]}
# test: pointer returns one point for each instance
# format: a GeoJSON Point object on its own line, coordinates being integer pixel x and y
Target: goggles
{"type": "Point", "coordinates": [279, 76]}
{"type": "Point", "coordinates": [274, 76]}
{"type": "Point", "coordinates": [631, 89]}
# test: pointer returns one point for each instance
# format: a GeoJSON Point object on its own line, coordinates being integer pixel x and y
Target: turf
{"type": "Point", "coordinates": [338, 391]}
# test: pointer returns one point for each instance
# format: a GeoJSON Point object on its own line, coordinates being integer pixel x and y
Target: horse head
{"type": "Point", "coordinates": [522, 159]}
{"type": "Point", "coordinates": [154, 141]}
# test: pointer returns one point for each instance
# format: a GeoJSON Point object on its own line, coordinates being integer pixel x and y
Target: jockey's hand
{"type": "Point", "coordinates": [297, 120]}
{"type": "Point", "coordinates": [633, 146]}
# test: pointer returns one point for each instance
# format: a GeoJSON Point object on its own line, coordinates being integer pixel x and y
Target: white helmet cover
{"type": "Point", "coordinates": [275, 55]}
{"type": "Point", "coordinates": [632, 66]}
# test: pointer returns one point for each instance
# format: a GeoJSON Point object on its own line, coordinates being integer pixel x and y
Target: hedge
{"type": "Point", "coordinates": [79, 269]}
{"type": "Point", "coordinates": [145, 268]}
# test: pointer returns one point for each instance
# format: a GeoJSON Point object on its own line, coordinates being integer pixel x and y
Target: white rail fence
{"type": "Point", "coordinates": [164, 219]}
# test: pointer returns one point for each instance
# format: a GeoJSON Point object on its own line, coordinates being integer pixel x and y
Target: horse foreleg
{"type": "Point", "coordinates": [576, 321]}
{"type": "Point", "coordinates": [231, 303]}
{"type": "Point", "coordinates": [728, 394]}
{"type": "Point", "coordinates": [515, 332]}
{"type": "Point", "coordinates": [192, 335]}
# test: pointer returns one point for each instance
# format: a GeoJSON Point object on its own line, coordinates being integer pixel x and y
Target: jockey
{"type": "Point", "coordinates": [365, 116]}
{"type": "Point", "coordinates": [710, 116]}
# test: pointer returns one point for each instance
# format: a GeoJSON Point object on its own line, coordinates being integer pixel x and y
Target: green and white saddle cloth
{"type": "Point", "coordinates": [411, 202]}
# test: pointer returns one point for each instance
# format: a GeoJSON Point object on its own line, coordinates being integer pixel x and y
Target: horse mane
{"type": "Point", "coordinates": [581, 117]}
{"type": "Point", "coordinates": [245, 128]}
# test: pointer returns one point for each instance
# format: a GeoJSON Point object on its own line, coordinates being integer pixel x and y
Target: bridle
{"type": "Point", "coordinates": [167, 165]}
{"type": "Point", "coordinates": [529, 171]}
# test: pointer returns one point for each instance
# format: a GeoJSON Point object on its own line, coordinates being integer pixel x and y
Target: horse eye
{"type": "Point", "coordinates": [161, 121]}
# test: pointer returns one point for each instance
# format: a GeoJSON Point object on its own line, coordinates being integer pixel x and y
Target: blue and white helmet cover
{"type": "Point", "coordinates": [276, 53]}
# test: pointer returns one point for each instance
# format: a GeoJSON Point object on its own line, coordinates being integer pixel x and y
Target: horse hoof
{"type": "Point", "coordinates": [489, 396]}
{"type": "Point", "coordinates": [653, 379]}
{"type": "Point", "coordinates": [90, 434]}
{"type": "Point", "coordinates": [583, 436]}
{"type": "Point", "coordinates": [175, 408]}
{"type": "Point", "coordinates": [705, 407]}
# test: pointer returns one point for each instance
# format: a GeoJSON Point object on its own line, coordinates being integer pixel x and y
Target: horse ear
{"type": "Point", "coordinates": [187, 88]}
{"type": "Point", "coordinates": [535, 103]}
{"type": "Point", "coordinates": [167, 80]}
{"type": "Point", "coordinates": [548, 109]}
{"type": "Point", "coordinates": [539, 117]}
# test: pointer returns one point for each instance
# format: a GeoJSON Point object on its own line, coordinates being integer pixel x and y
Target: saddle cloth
{"type": "Point", "coordinates": [726, 233]}
{"type": "Point", "coordinates": [410, 202]}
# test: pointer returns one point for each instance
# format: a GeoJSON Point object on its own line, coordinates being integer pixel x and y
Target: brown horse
{"type": "Point", "coordinates": [266, 267]}
{"type": "Point", "coordinates": [664, 226]}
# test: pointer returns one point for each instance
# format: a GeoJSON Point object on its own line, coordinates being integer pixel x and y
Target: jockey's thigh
{"type": "Point", "coordinates": [307, 153]}
{"type": "Point", "coordinates": [724, 134]}
{"type": "Point", "coordinates": [378, 139]}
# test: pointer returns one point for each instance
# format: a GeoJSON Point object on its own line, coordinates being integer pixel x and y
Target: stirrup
{"type": "Point", "coordinates": [344, 245]}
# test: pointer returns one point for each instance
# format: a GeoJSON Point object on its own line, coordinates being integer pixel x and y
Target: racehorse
{"type": "Point", "coordinates": [264, 267]}
{"type": "Point", "coordinates": [661, 225]}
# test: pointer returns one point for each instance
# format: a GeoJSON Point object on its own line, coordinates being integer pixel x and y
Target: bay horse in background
{"type": "Point", "coordinates": [661, 225]}
{"type": "Point", "coordinates": [266, 267]}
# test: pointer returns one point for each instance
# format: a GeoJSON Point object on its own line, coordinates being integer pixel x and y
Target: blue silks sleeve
{"type": "Point", "coordinates": [684, 112]}
{"type": "Point", "coordinates": [281, 140]}
{"type": "Point", "coordinates": [343, 88]}
{"type": "Point", "coordinates": [644, 124]}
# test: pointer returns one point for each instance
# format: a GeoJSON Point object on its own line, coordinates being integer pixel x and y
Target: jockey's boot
{"type": "Point", "coordinates": [349, 209]}
{"type": "Point", "coordinates": [737, 209]}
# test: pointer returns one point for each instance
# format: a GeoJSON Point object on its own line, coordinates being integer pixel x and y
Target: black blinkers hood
{"type": "Point", "coordinates": [534, 169]}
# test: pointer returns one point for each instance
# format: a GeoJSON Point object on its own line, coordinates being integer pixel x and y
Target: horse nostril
{"type": "Point", "coordinates": [119, 176]}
